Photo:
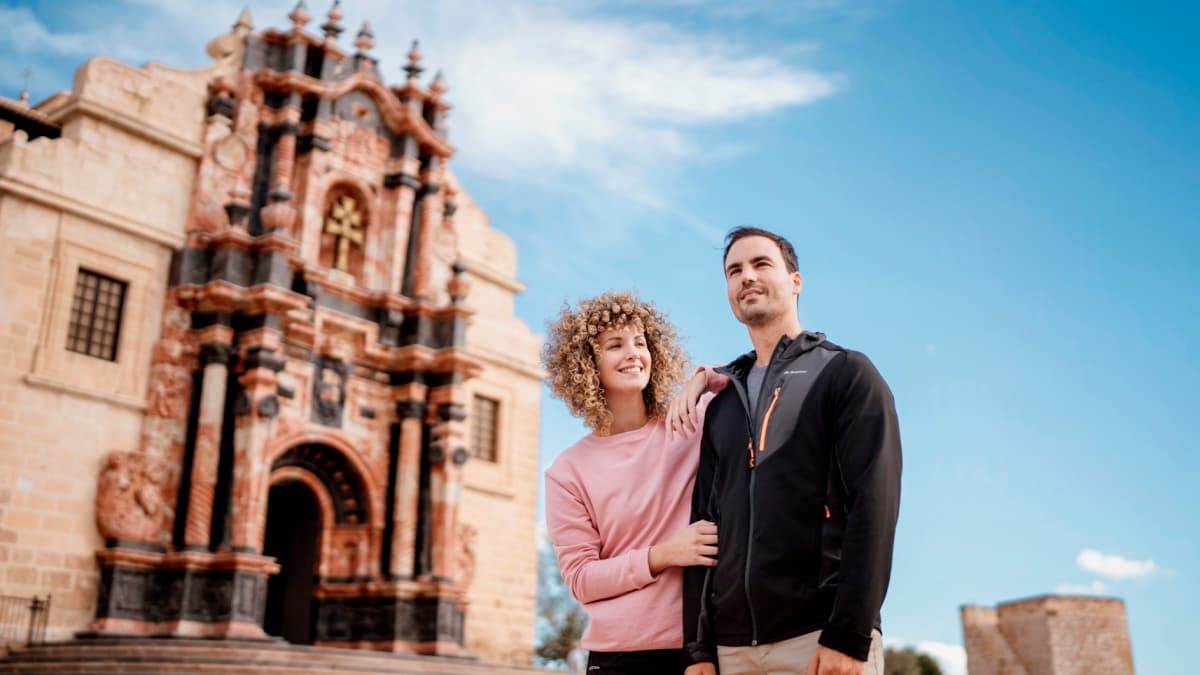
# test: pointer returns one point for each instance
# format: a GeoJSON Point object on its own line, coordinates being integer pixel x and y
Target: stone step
{"type": "Point", "coordinates": [179, 655]}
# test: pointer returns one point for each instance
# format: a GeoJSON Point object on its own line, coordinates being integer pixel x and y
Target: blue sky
{"type": "Point", "coordinates": [998, 203]}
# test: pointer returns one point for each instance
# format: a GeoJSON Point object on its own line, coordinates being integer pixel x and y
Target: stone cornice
{"type": "Point", "coordinates": [67, 204]}
{"type": "Point", "coordinates": [399, 117]}
{"type": "Point", "coordinates": [128, 124]}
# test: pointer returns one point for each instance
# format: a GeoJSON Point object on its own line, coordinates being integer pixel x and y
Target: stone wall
{"type": "Point", "coordinates": [1049, 635]}
{"type": "Point", "coordinates": [66, 204]}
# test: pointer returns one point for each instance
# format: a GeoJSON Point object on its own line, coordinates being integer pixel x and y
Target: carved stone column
{"type": "Point", "coordinates": [448, 453]}
{"type": "Point", "coordinates": [410, 411]}
{"type": "Point", "coordinates": [215, 354]}
{"type": "Point", "coordinates": [256, 411]}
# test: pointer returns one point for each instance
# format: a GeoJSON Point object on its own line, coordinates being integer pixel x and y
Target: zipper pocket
{"type": "Point", "coordinates": [762, 434]}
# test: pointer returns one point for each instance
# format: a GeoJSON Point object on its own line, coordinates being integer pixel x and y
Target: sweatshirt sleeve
{"type": "Point", "coordinates": [577, 546]}
{"type": "Point", "coordinates": [867, 452]}
{"type": "Point", "coordinates": [699, 641]}
{"type": "Point", "coordinates": [714, 382]}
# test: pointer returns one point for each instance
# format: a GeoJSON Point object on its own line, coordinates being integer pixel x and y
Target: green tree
{"type": "Point", "coordinates": [560, 619]}
{"type": "Point", "coordinates": [908, 661]}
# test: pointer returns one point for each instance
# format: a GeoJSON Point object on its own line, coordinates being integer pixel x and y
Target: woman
{"type": "Point", "coordinates": [618, 501]}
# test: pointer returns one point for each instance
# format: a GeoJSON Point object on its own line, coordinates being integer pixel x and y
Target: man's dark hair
{"type": "Point", "coordinates": [785, 246]}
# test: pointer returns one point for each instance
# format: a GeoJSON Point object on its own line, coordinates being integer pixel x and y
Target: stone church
{"type": "Point", "coordinates": [260, 371]}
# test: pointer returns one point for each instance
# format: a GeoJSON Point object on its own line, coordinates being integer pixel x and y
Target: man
{"type": "Point", "coordinates": [800, 469]}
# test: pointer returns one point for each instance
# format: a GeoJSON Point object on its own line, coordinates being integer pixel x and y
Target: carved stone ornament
{"type": "Point", "coordinates": [169, 392]}
{"type": "Point", "coordinates": [464, 555]}
{"type": "Point", "coordinates": [329, 392]}
{"type": "Point", "coordinates": [133, 498]}
{"type": "Point", "coordinates": [344, 223]}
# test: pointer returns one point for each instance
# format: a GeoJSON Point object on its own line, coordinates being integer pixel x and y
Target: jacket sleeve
{"type": "Point", "coordinates": [867, 453]}
{"type": "Point", "coordinates": [699, 641]}
{"type": "Point", "coordinates": [577, 546]}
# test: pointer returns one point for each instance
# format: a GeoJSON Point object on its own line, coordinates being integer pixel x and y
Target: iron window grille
{"type": "Point", "coordinates": [96, 312]}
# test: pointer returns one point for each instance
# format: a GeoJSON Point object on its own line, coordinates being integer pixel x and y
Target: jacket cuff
{"type": "Point", "coordinates": [850, 643]}
{"type": "Point", "coordinates": [698, 652]}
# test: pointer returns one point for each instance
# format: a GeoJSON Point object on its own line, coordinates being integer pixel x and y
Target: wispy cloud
{"type": "Point", "coordinates": [543, 93]}
{"type": "Point", "coordinates": [1097, 587]}
{"type": "Point", "coordinates": [1114, 567]}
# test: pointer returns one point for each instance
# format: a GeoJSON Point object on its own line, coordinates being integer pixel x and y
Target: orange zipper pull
{"type": "Point", "coordinates": [750, 449]}
{"type": "Point", "coordinates": [828, 515]}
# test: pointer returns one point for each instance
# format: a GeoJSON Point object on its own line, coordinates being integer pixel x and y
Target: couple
{"type": "Point", "coordinates": [786, 464]}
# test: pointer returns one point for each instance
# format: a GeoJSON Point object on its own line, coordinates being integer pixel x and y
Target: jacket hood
{"type": "Point", "coordinates": [787, 348]}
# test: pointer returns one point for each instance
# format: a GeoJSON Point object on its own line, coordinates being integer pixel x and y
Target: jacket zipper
{"type": "Point", "coordinates": [762, 439]}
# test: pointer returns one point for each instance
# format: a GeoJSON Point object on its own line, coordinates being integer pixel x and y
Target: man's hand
{"type": "Point", "coordinates": [826, 661]}
{"type": "Point", "coordinates": [701, 669]}
{"type": "Point", "coordinates": [681, 414]}
{"type": "Point", "coordinates": [690, 546]}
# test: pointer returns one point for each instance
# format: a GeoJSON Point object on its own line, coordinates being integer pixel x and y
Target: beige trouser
{"type": "Point", "coordinates": [787, 656]}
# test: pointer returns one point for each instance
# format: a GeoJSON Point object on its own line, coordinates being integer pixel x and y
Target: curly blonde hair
{"type": "Point", "coordinates": [569, 355]}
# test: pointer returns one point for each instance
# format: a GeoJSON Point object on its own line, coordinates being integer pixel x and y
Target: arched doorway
{"type": "Point", "coordinates": [293, 529]}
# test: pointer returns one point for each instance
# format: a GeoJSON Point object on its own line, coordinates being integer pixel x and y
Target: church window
{"type": "Point", "coordinates": [484, 420]}
{"type": "Point", "coordinates": [96, 315]}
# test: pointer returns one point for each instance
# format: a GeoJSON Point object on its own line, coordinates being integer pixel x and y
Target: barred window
{"type": "Point", "coordinates": [96, 315]}
{"type": "Point", "coordinates": [484, 420]}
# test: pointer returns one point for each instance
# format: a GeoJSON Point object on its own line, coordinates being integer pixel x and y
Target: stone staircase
{"type": "Point", "coordinates": [180, 655]}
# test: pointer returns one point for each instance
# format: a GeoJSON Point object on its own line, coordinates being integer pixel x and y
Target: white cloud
{"type": "Point", "coordinates": [952, 658]}
{"type": "Point", "coordinates": [1097, 587]}
{"type": "Point", "coordinates": [542, 92]}
{"type": "Point", "coordinates": [1114, 567]}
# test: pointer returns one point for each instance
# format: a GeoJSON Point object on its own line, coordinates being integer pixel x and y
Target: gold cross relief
{"type": "Point", "coordinates": [345, 224]}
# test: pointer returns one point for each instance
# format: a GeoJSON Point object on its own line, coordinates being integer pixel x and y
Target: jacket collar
{"type": "Point", "coordinates": [787, 348]}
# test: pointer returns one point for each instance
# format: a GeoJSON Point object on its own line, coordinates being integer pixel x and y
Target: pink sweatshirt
{"type": "Point", "coordinates": [608, 499]}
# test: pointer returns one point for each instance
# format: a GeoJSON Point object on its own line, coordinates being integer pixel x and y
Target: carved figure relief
{"type": "Point", "coordinates": [169, 392]}
{"type": "Point", "coordinates": [329, 392]}
{"type": "Point", "coordinates": [133, 498]}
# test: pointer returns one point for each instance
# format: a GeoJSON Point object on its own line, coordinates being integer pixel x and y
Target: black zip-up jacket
{"type": "Point", "coordinates": [805, 495]}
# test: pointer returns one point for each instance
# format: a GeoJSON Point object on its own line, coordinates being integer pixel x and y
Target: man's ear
{"type": "Point", "coordinates": [797, 283]}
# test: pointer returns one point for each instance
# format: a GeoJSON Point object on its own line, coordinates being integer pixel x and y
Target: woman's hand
{"type": "Point", "coordinates": [681, 414]}
{"type": "Point", "coordinates": [693, 545]}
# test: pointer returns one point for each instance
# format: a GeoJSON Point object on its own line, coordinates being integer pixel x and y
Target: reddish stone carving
{"type": "Point", "coordinates": [465, 555]}
{"type": "Point", "coordinates": [133, 498]}
{"type": "Point", "coordinates": [169, 392]}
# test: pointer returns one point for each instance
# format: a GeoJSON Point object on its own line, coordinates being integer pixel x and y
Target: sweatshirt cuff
{"type": "Point", "coordinates": [850, 643]}
{"type": "Point", "coordinates": [641, 566]}
{"type": "Point", "coordinates": [714, 382]}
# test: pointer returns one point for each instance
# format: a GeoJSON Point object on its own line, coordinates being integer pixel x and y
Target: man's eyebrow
{"type": "Point", "coordinates": [760, 258]}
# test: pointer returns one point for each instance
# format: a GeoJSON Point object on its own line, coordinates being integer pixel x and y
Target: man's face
{"type": "Point", "coordinates": [760, 288]}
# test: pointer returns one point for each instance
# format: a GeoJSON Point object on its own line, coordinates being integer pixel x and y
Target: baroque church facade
{"type": "Point", "coordinates": [260, 371]}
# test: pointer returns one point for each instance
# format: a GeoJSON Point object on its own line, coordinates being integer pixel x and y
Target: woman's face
{"type": "Point", "coordinates": [623, 360]}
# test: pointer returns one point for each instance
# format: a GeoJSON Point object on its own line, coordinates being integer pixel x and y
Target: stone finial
{"type": "Point", "coordinates": [438, 87]}
{"type": "Point", "coordinates": [333, 27]}
{"type": "Point", "coordinates": [24, 96]}
{"type": "Point", "coordinates": [458, 286]}
{"type": "Point", "coordinates": [299, 16]}
{"type": "Point", "coordinates": [244, 24]}
{"type": "Point", "coordinates": [414, 68]}
{"type": "Point", "coordinates": [365, 40]}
